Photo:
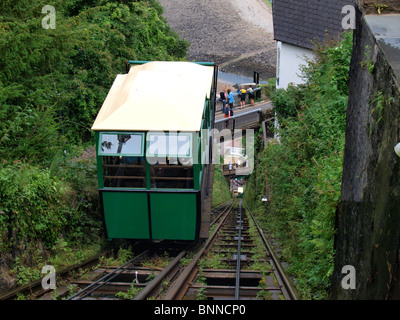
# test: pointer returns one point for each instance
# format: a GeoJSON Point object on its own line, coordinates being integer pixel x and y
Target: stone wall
{"type": "Point", "coordinates": [368, 218]}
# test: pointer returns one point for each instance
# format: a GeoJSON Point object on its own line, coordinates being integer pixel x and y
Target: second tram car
{"type": "Point", "coordinates": [150, 147]}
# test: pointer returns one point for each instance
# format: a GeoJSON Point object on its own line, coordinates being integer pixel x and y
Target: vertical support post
{"type": "Point", "coordinates": [256, 78]}
{"type": "Point", "coordinates": [239, 253]}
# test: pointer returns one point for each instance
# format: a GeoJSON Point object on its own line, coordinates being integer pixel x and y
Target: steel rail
{"type": "Point", "coordinates": [152, 286]}
{"type": "Point", "coordinates": [36, 286]}
{"type": "Point", "coordinates": [227, 208]}
{"type": "Point", "coordinates": [179, 287]}
{"type": "Point", "coordinates": [107, 278]}
{"type": "Point", "coordinates": [288, 288]}
{"type": "Point", "coordinates": [220, 205]}
{"type": "Point", "coordinates": [238, 258]}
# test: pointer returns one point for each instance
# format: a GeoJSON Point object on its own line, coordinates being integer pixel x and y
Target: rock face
{"type": "Point", "coordinates": [6, 280]}
{"type": "Point", "coordinates": [368, 218]}
{"type": "Point", "coordinates": [236, 34]}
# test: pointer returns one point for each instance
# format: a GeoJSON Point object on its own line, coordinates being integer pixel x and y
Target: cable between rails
{"type": "Point", "coordinates": [288, 288]}
{"type": "Point", "coordinates": [239, 253]}
{"type": "Point", "coordinates": [107, 278]}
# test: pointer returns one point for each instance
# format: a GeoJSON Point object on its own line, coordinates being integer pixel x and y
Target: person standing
{"type": "Point", "coordinates": [222, 96]}
{"type": "Point", "coordinates": [250, 91]}
{"type": "Point", "coordinates": [231, 101]}
{"type": "Point", "coordinates": [242, 94]}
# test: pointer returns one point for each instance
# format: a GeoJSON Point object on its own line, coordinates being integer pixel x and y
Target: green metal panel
{"type": "Point", "coordinates": [99, 163]}
{"type": "Point", "coordinates": [196, 174]}
{"type": "Point", "coordinates": [126, 214]}
{"type": "Point", "coordinates": [148, 177]}
{"type": "Point", "coordinates": [173, 216]}
{"type": "Point", "coordinates": [196, 146]}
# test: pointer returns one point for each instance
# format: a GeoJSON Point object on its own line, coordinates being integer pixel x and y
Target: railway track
{"type": "Point", "coordinates": [147, 273]}
{"type": "Point", "coordinates": [219, 210]}
{"type": "Point", "coordinates": [235, 263]}
{"type": "Point", "coordinates": [134, 280]}
{"type": "Point", "coordinates": [141, 278]}
{"type": "Point", "coordinates": [34, 290]}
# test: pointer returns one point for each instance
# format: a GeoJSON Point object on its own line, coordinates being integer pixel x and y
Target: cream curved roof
{"type": "Point", "coordinates": [163, 96]}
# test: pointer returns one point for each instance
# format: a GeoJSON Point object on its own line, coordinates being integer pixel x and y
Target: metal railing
{"type": "Point", "coordinates": [237, 99]}
{"type": "Point", "coordinates": [243, 120]}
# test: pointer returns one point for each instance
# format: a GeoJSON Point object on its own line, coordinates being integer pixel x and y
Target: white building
{"type": "Point", "coordinates": [289, 60]}
{"type": "Point", "coordinates": [298, 24]}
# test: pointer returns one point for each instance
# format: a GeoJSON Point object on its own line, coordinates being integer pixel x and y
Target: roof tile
{"type": "Point", "coordinates": [301, 22]}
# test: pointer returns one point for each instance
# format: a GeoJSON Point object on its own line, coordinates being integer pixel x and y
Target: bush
{"type": "Point", "coordinates": [55, 81]}
{"type": "Point", "coordinates": [31, 202]}
{"type": "Point", "coordinates": [304, 171]}
{"type": "Point", "coordinates": [269, 88]}
{"type": "Point", "coordinates": [287, 102]}
{"type": "Point", "coordinates": [52, 85]}
{"type": "Point", "coordinates": [37, 207]}
{"type": "Point", "coordinates": [220, 191]}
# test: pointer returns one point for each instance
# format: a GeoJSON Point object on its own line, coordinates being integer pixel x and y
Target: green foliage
{"type": "Point", "coordinates": [269, 88]}
{"type": "Point", "coordinates": [379, 7]}
{"type": "Point", "coordinates": [52, 85]}
{"type": "Point", "coordinates": [130, 294]}
{"type": "Point", "coordinates": [29, 133]}
{"type": "Point", "coordinates": [330, 68]}
{"type": "Point", "coordinates": [379, 103]}
{"type": "Point", "coordinates": [220, 191]}
{"type": "Point", "coordinates": [213, 260]}
{"type": "Point", "coordinates": [24, 274]}
{"type": "Point", "coordinates": [286, 102]}
{"type": "Point", "coordinates": [54, 81]}
{"type": "Point", "coordinates": [31, 202]}
{"type": "Point", "coordinates": [38, 207]}
{"type": "Point", "coordinates": [28, 267]}
{"type": "Point", "coordinates": [304, 171]}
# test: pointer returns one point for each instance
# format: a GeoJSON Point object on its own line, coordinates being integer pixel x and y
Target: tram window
{"type": "Point", "coordinates": [124, 172]}
{"type": "Point", "coordinates": [169, 155]}
{"type": "Point", "coordinates": [121, 144]}
{"type": "Point", "coordinates": [169, 144]}
{"type": "Point", "coordinates": [171, 175]}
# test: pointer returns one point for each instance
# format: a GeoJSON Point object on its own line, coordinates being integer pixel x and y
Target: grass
{"type": "Point", "coordinates": [28, 268]}
{"type": "Point", "coordinates": [269, 3]}
{"type": "Point", "coordinates": [221, 191]}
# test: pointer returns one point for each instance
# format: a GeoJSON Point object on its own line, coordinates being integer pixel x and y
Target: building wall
{"type": "Point", "coordinates": [289, 60]}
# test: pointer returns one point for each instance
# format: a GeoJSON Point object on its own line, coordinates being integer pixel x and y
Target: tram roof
{"type": "Point", "coordinates": [160, 96]}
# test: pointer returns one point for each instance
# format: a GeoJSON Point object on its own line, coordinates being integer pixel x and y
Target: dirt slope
{"type": "Point", "coordinates": [236, 34]}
